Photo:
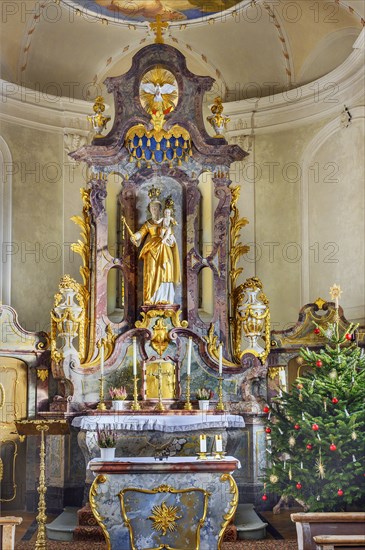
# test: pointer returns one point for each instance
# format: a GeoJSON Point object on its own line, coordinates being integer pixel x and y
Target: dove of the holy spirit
{"type": "Point", "coordinates": [158, 91]}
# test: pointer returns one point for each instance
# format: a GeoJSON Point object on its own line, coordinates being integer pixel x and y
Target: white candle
{"type": "Point", "coordinates": [218, 443]}
{"type": "Point", "coordinates": [220, 359]}
{"type": "Point", "coordinates": [134, 356]}
{"type": "Point", "coordinates": [101, 360]}
{"type": "Point", "coordinates": [203, 443]}
{"type": "Point", "coordinates": [188, 370]}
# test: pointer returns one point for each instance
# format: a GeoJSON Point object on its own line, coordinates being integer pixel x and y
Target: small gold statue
{"type": "Point", "coordinates": [217, 120]}
{"type": "Point", "coordinates": [98, 120]}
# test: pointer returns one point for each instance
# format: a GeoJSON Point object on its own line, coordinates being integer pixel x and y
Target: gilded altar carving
{"type": "Point", "coordinates": [233, 489]}
{"type": "Point", "coordinates": [92, 499]}
{"type": "Point", "coordinates": [163, 516]}
{"type": "Point", "coordinates": [167, 380]}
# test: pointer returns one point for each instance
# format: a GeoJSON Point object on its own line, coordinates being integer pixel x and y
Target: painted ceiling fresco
{"type": "Point", "coordinates": [147, 10]}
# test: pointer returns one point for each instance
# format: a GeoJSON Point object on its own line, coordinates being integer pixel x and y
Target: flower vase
{"type": "Point", "coordinates": [203, 404]}
{"type": "Point", "coordinates": [107, 453]}
{"type": "Point", "coordinates": [118, 405]}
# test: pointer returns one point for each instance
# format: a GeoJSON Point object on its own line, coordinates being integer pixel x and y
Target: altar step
{"type": "Point", "coordinates": [63, 526]}
{"type": "Point", "coordinates": [248, 524]}
{"type": "Point", "coordinates": [87, 528]}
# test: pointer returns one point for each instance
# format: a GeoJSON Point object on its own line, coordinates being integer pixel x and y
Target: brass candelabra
{"type": "Point", "coordinates": [135, 405]}
{"type": "Point", "coordinates": [188, 406]}
{"type": "Point", "coordinates": [41, 542]}
{"type": "Point", "coordinates": [220, 404]}
{"type": "Point", "coordinates": [160, 405]}
{"type": "Point", "coordinates": [101, 405]}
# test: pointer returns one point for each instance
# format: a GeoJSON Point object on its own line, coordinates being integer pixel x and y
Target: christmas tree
{"type": "Point", "coordinates": [315, 432]}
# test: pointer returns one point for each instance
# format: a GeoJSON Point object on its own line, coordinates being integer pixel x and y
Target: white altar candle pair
{"type": "Point", "coordinates": [188, 369]}
{"type": "Point", "coordinates": [101, 361]}
{"type": "Point", "coordinates": [220, 359]}
{"type": "Point", "coordinates": [134, 356]}
{"type": "Point", "coordinates": [203, 443]}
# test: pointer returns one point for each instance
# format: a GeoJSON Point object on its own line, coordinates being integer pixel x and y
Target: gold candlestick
{"type": "Point", "coordinates": [220, 404]}
{"type": "Point", "coordinates": [101, 405]}
{"type": "Point", "coordinates": [135, 405]}
{"type": "Point", "coordinates": [188, 406]}
{"type": "Point", "coordinates": [159, 406]}
{"type": "Point", "coordinates": [41, 518]}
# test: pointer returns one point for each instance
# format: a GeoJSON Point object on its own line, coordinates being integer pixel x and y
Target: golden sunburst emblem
{"type": "Point", "coordinates": [164, 518]}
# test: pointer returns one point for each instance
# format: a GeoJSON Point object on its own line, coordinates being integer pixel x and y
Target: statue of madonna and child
{"type": "Point", "coordinates": [160, 254]}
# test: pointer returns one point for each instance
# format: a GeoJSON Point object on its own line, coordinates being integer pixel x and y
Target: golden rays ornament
{"type": "Point", "coordinates": [320, 469]}
{"type": "Point", "coordinates": [164, 518]}
{"type": "Point", "coordinates": [158, 88]}
{"type": "Point", "coordinates": [273, 478]}
{"type": "Point", "coordinates": [335, 293]}
{"type": "Point", "coordinates": [291, 441]}
{"type": "Point", "coordinates": [354, 435]}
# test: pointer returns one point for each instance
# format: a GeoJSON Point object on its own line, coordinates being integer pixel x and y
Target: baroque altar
{"type": "Point", "coordinates": [159, 310]}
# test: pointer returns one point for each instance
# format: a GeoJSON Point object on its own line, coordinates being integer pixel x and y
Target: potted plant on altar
{"type": "Point", "coordinates": [118, 395]}
{"type": "Point", "coordinates": [107, 441]}
{"type": "Point", "coordinates": [203, 396]}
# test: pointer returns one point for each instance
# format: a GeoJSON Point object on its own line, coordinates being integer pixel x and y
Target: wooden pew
{"type": "Point", "coordinates": [309, 525]}
{"type": "Point", "coordinates": [7, 535]}
{"type": "Point", "coordinates": [331, 542]}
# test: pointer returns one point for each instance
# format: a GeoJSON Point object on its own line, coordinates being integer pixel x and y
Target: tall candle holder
{"type": "Point", "coordinates": [220, 404]}
{"type": "Point", "coordinates": [188, 406]}
{"type": "Point", "coordinates": [101, 405]}
{"type": "Point", "coordinates": [135, 405]}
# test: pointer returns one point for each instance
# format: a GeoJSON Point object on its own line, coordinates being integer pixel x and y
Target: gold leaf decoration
{"type": "Point", "coordinates": [164, 518]}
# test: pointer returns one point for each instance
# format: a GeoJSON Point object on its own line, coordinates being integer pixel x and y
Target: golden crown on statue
{"type": "Point", "coordinates": [154, 193]}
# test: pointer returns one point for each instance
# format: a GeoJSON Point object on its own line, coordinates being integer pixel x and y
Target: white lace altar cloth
{"type": "Point", "coordinates": [168, 423]}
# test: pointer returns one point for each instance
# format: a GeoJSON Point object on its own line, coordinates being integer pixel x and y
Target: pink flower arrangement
{"type": "Point", "coordinates": [118, 394]}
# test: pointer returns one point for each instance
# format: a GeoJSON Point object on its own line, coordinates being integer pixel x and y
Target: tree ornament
{"type": "Point", "coordinates": [264, 497]}
{"type": "Point", "coordinates": [298, 486]}
{"type": "Point", "coordinates": [320, 469]}
{"type": "Point", "coordinates": [348, 336]}
{"type": "Point", "coordinates": [300, 386]}
{"type": "Point", "coordinates": [333, 447]}
{"type": "Point", "coordinates": [268, 430]}
{"type": "Point", "coordinates": [334, 400]}
{"type": "Point", "coordinates": [309, 446]}
{"type": "Point", "coordinates": [319, 363]}
{"type": "Point", "coordinates": [340, 492]}
{"type": "Point", "coordinates": [315, 427]}
{"type": "Point", "coordinates": [317, 331]}
{"type": "Point", "coordinates": [290, 475]}
{"type": "Point", "coordinates": [325, 405]}
{"type": "Point", "coordinates": [333, 374]}
{"type": "Point", "coordinates": [266, 409]}
{"type": "Point", "coordinates": [296, 427]}
{"type": "Point", "coordinates": [354, 435]}
{"type": "Point", "coordinates": [291, 441]}
{"type": "Point", "coordinates": [273, 478]}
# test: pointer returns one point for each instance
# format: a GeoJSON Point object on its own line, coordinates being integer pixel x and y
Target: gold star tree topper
{"type": "Point", "coordinates": [335, 293]}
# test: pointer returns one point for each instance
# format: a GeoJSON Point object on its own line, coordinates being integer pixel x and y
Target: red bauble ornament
{"type": "Point", "coordinates": [333, 447]}
{"type": "Point", "coordinates": [298, 486]}
{"type": "Point", "coordinates": [309, 446]}
{"type": "Point", "coordinates": [348, 336]}
{"type": "Point", "coordinates": [264, 497]}
{"type": "Point", "coordinates": [316, 331]}
{"type": "Point", "coordinates": [319, 363]}
{"type": "Point", "coordinates": [300, 386]}
{"type": "Point", "coordinates": [340, 492]}
{"type": "Point", "coordinates": [315, 427]}
{"type": "Point", "coordinates": [266, 409]}
{"type": "Point", "coordinates": [296, 427]}
{"type": "Point", "coordinates": [268, 430]}
{"type": "Point", "coordinates": [334, 400]}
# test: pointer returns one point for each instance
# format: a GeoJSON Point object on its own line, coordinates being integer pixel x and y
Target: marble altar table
{"type": "Point", "coordinates": [179, 504]}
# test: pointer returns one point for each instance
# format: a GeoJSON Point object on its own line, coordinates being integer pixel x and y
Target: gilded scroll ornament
{"type": "Point", "coordinates": [93, 493]}
{"type": "Point", "coordinates": [160, 340]}
{"type": "Point", "coordinates": [236, 249]}
{"type": "Point", "coordinates": [42, 374]}
{"type": "Point", "coordinates": [166, 313]}
{"type": "Point", "coordinates": [213, 347]}
{"type": "Point", "coordinates": [233, 489]}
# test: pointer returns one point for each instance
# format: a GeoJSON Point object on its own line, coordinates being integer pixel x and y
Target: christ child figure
{"type": "Point", "coordinates": [167, 222]}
